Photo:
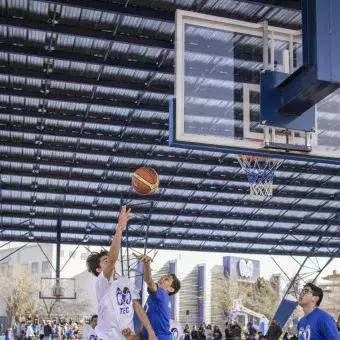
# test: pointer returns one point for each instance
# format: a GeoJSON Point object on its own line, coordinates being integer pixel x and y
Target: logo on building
{"type": "Point", "coordinates": [246, 269]}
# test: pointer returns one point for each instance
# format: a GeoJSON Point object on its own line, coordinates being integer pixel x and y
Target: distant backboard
{"type": "Point", "coordinates": [217, 91]}
{"type": "Point", "coordinates": [53, 288]}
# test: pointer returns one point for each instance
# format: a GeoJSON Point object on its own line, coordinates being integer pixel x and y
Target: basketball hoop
{"type": "Point", "coordinates": [260, 172]}
{"type": "Point", "coordinates": [58, 291]}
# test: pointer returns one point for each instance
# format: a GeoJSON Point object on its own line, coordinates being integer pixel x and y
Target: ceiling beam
{"type": "Point", "coordinates": [101, 119]}
{"type": "Point", "coordinates": [81, 80]}
{"type": "Point", "coordinates": [167, 212]}
{"type": "Point", "coordinates": [167, 246]}
{"type": "Point", "coordinates": [92, 60]}
{"type": "Point", "coordinates": [227, 226]}
{"type": "Point", "coordinates": [87, 33]}
{"type": "Point", "coordinates": [218, 239]}
{"type": "Point", "coordinates": [283, 4]}
{"type": "Point", "coordinates": [116, 166]}
{"type": "Point", "coordinates": [158, 197]}
{"type": "Point", "coordinates": [73, 99]}
{"type": "Point", "coordinates": [168, 183]}
{"type": "Point", "coordinates": [114, 8]}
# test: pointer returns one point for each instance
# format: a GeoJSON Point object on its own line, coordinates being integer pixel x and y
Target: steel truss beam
{"type": "Point", "coordinates": [162, 197]}
{"type": "Point", "coordinates": [162, 212]}
{"type": "Point", "coordinates": [101, 119]}
{"type": "Point", "coordinates": [168, 246]}
{"type": "Point", "coordinates": [86, 33]}
{"type": "Point", "coordinates": [78, 80]}
{"type": "Point", "coordinates": [110, 7]}
{"type": "Point", "coordinates": [90, 60]}
{"type": "Point", "coordinates": [218, 239]}
{"type": "Point", "coordinates": [284, 4]}
{"type": "Point", "coordinates": [70, 99]}
{"type": "Point", "coordinates": [226, 225]}
{"type": "Point", "coordinates": [200, 188]}
{"type": "Point", "coordinates": [186, 158]}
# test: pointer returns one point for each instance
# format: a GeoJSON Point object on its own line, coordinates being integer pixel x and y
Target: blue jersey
{"type": "Point", "coordinates": [158, 311]}
{"type": "Point", "coordinates": [317, 325]}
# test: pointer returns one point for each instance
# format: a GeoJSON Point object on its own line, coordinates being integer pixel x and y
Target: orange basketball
{"type": "Point", "coordinates": [145, 181]}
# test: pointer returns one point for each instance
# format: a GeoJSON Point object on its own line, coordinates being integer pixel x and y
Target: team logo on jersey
{"type": "Point", "coordinates": [305, 334]}
{"type": "Point", "coordinates": [124, 299]}
{"type": "Point", "coordinates": [175, 333]}
{"type": "Point", "coordinates": [93, 337]}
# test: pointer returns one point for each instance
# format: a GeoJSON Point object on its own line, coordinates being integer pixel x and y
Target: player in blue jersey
{"type": "Point", "coordinates": [316, 324]}
{"type": "Point", "coordinates": [158, 302]}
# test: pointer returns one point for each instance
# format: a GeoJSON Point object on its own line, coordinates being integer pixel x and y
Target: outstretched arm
{"type": "Point", "coordinates": [144, 319]}
{"type": "Point", "coordinates": [147, 272]}
{"type": "Point", "coordinates": [124, 217]}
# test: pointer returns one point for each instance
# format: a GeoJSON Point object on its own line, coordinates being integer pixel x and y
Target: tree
{"type": "Point", "coordinates": [18, 290]}
{"type": "Point", "coordinates": [262, 298]}
{"type": "Point", "coordinates": [259, 297]}
{"type": "Point", "coordinates": [226, 291]}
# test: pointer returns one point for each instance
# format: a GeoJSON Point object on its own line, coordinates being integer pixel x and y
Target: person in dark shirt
{"type": "Point", "coordinates": [201, 332]}
{"type": "Point", "coordinates": [217, 334]}
{"type": "Point", "coordinates": [48, 331]}
{"type": "Point", "coordinates": [194, 333]}
{"type": "Point", "coordinates": [274, 331]}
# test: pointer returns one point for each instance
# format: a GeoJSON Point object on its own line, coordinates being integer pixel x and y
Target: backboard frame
{"type": "Point", "coordinates": [178, 138]}
{"type": "Point", "coordinates": [42, 292]}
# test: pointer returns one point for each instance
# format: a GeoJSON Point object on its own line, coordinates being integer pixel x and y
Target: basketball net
{"type": "Point", "coordinates": [260, 172]}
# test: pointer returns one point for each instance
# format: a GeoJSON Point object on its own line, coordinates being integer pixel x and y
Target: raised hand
{"type": "Point", "coordinates": [143, 258]}
{"type": "Point", "coordinates": [124, 217]}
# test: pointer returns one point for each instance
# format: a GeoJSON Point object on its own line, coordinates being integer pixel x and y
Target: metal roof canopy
{"type": "Point", "coordinates": [84, 90]}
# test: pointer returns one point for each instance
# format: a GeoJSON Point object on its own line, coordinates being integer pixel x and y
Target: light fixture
{"type": "Point", "coordinates": [30, 236]}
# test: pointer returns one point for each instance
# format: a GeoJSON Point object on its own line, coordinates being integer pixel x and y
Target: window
{"type": "Point", "coordinates": [45, 267]}
{"type": "Point", "coordinates": [83, 256]}
{"type": "Point", "coordinates": [35, 268]}
{"type": "Point", "coordinates": [62, 253]}
{"type": "Point", "coordinates": [72, 256]}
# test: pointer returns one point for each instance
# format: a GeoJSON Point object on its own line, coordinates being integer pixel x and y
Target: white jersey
{"type": "Point", "coordinates": [176, 329]}
{"type": "Point", "coordinates": [115, 309]}
{"type": "Point", "coordinates": [89, 333]}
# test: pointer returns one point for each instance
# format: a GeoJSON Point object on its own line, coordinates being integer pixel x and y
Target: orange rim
{"type": "Point", "coordinates": [254, 158]}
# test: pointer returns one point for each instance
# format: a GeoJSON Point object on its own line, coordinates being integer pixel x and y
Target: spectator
{"type": "Point", "coordinates": [48, 331]}
{"type": "Point", "coordinates": [285, 337]}
{"type": "Point", "coordinates": [236, 331]}
{"type": "Point", "coordinates": [194, 333]}
{"type": "Point", "coordinates": [41, 330]}
{"type": "Point", "coordinates": [201, 332]}
{"type": "Point", "coordinates": [16, 331]}
{"type": "Point", "coordinates": [8, 334]}
{"type": "Point", "coordinates": [209, 333]}
{"type": "Point", "coordinates": [58, 331]}
{"type": "Point", "coordinates": [29, 331]}
{"type": "Point", "coordinates": [251, 329]}
{"type": "Point", "coordinates": [186, 332]}
{"type": "Point", "coordinates": [274, 331]}
{"type": "Point", "coordinates": [217, 334]}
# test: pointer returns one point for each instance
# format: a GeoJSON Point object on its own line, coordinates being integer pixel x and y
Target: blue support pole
{"type": "Point", "coordinates": [132, 268]}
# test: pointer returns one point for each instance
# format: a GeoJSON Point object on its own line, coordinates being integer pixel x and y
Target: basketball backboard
{"type": "Point", "coordinates": [57, 288]}
{"type": "Point", "coordinates": [217, 91]}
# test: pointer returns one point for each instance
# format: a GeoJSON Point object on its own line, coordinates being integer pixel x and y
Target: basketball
{"type": "Point", "coordinates": [145, 181]}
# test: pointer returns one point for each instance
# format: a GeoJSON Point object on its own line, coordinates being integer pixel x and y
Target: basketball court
{"type": "Point", "coordinates": [241, 123]}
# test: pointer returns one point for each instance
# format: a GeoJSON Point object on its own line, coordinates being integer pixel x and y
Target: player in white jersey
{"type": "Point", "coordinates": [89, 332]}
{"type": "Point", "coordinates": [117, 296]}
